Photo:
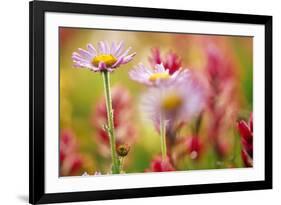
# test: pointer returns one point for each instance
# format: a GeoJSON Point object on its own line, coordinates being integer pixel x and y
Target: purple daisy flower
{"type": "Point", "coordinates": [157, 76]}
{"type": "Point", "coordinates": [104, 57]}
{"type": "Point", "coordinates": [176, 103]}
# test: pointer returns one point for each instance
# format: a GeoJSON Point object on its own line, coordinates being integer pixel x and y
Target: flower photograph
{"type": "Point", "coordinates": [143, 102]}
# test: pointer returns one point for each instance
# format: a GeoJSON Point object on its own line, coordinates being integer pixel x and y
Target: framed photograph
{"type": "Point", "coordinates": [140, 102]}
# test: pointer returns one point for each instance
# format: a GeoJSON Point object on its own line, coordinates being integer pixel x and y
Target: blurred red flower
{"type": "Point", "coordinates": [246, 132]}
{"type": "Point", "coordinates": [221, 90]}
{"type": "Point", "coordinates": [170, 61]}
{"type": "Point", "coordinates": [70, 160]}
{"type": "Point", "coordinates": [194, 147]}
{"type": "Point", "coordinates": [160, 165]}
{"type": "Point", "coordinates": [122, 111]}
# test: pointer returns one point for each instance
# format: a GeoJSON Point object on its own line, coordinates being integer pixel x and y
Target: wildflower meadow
{"type": "Point", "coordinates": [141, 102]}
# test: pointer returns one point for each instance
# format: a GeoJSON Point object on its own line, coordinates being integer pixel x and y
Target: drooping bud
{"type": "Point", "coordinates": [123, 150]}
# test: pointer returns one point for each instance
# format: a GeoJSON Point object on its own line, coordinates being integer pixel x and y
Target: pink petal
{"type": "Point", "coordinates": [118, 62]}
{"type": "Point", "coordinates": [92, 49]}
{"type": "Point", "coordinates": [85, 53]}
{"type": "Point", "coordinates": [101, 47]}
{"type": "Point", "coordinates": [129, 58]}
{"type": "Point", "coordinates": [113, 48]}
{"type": "Point", "coordinates": [119, 49]}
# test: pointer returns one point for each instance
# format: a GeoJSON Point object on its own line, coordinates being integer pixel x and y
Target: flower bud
{"type": "Point", "coordinates": [122, 150]}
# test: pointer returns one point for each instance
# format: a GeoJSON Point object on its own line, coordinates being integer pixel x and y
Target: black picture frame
{"type": "Point", "coordinates": [37, 9]}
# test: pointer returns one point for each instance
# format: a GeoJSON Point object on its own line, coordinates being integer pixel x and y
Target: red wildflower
{"type": "Point", "coordinates": [218, 68]}
{"type": "Point", "coordinates": [246, 132]}
{"type": "Point", "coordinates": [194, 147]}
{"type": "Point", "coordinates": [221, 87]}
{"type": "Point", "coordinates": [159, 165]}
{"type": "Point", "coordinates": [170, 61]}
{"type": "Point", "coordinates": [70, 160]}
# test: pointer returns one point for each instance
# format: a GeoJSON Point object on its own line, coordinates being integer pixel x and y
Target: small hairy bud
{"type": "Point", "coordinates": [123, 150]}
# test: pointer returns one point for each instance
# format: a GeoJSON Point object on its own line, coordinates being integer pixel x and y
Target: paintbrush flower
{"type": "Point", "coordinates": [71, 162]}
{"type": "Point", "coordinates": [246, 132]}
{"type": "Point", "coordinates": [171, 61]}
{"type": "Point", "coordinates": [159, 165]}
{"type": "Point", "coordinates": [194, 147]}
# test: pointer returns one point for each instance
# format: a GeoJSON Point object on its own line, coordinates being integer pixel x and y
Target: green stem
{"type": "Point", "coordinates": [121, 164]}
{"type": "Point", "coordinates": [110, 122]}
{"type": "Point", "coordinates": [163, 137]}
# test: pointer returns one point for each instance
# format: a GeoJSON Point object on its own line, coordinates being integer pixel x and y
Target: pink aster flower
{"type": "Point", "coordinates": [171, 61]}
{"type": "Point", "coordinates": [177, 102]}
{"type": "Point", "coordinates": [104, 57]}
{"type": "Point", "coordinates": [170, 105]}
{"type": "Point", "coordinates": [157, 76]}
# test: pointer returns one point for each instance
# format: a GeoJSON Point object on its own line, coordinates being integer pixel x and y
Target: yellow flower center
{"type": "Point", "coordinates": [161, 76]}
{"type": "Point", "coordinates": [108, 59]}
{"type": "Point", "coordinates": [171, 102]}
